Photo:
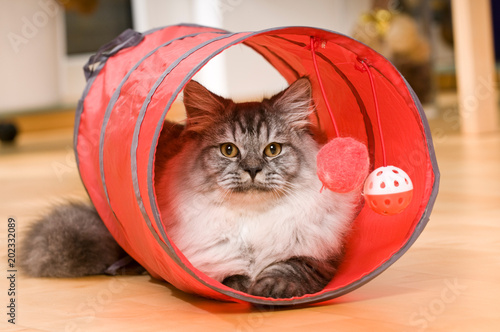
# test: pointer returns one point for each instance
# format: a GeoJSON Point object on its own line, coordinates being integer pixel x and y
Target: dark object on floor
{"type": "Point", "coordinates": [8, 132]}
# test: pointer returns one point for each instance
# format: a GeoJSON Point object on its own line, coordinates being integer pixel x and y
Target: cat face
{"type": "Point", "coordinates": [252, 148]}
{"type": "Point", "coordinates": [252, 152]}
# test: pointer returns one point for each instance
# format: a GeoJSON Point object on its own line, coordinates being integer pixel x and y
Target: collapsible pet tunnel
{"type": "Point", "coordinates": [132, 83]}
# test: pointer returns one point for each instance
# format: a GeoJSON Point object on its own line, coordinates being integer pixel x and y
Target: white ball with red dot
{"type": "Point", "coordinates": [388, 190]}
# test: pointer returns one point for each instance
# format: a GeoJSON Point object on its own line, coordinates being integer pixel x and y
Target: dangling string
{"type": "Point", "coordinates": [313, 52]}
{"type": "Point", "coordinates": [374, 93]}
{"type": "Point", "coordinates": [377, 111]}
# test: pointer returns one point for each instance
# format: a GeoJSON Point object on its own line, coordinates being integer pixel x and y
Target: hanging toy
{"type": "Point", "coordinates": [343, 163]}
{"type": "Point", "coordinates": [388, 190]}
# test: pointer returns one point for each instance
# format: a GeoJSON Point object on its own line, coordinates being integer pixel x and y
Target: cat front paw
{"type": "Point", "coordinates": [238, 282]}
{"type": "Point", "coordinates": [294, 277]}
{"type": "Point", "coordinates": [277, 287]}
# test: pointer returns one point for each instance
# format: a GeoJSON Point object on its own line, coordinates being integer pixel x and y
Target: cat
{"type": "Point", "coordinates": [238, 194]}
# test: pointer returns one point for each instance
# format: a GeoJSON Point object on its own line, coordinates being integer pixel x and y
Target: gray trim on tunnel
{"type": "Point", "coordinates": [168, 247]}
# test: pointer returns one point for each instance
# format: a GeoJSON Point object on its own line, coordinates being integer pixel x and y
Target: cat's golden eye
{"type": "Point", "coordinates": [272, 150]}
{"type": "Point", "coordinates": [229, 150]}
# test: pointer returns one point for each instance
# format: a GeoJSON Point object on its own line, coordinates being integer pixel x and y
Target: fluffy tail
{"type": "Point", "coordinates": [72, 241]}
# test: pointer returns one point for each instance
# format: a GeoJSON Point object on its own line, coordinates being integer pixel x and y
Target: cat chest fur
{"type": "Point", "coordinates": [244, 239]}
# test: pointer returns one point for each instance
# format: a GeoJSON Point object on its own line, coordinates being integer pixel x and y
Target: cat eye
{"type": "Point", "coordinates": [229, 150]}
{"type": "Point", "coordinates": [272, 150]}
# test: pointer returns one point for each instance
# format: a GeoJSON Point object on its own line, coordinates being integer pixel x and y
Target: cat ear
{"type": "Point", "coordinates": [295, 103]}
{"type": "Point", "coordinates": [202, 106]}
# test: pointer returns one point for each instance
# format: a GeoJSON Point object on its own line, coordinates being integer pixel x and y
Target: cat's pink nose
{"type": "Point", "coordinates": [253, 171]}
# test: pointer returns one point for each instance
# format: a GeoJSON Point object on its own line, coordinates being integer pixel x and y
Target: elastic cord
{"type": "Point", "coordinates": [313, 53]}
{"type": "Point", "coordinates": [375, 100]}
{"type": "Point", "coordinates": [377, 111]}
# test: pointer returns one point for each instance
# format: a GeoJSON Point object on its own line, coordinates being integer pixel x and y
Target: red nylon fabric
{"type": "Point", "coordinates": [374, 239]}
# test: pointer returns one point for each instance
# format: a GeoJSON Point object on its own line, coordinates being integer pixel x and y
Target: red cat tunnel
{"type": "Point", "coordinates": [132, 83]}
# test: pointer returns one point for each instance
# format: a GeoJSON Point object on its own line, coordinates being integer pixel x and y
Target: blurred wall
{"type": "Point", "coordinates": [30, 54]}
{"type": "Point", "coordinates": [36, 73]}
{"type": "Point", "coordinates": [239, 72]}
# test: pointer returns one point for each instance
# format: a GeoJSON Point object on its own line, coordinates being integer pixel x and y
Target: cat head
{"type": "Point", "coordinates": [292, 106]}
{"type": "Point", "coordinates": [252, 147]}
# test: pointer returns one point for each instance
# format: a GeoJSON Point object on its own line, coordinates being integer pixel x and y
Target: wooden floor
{"type": "Point", "coordinates": [448, 281]}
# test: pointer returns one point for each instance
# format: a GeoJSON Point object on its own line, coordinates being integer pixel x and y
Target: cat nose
{"type": "Point", "coordinates": [253, 171]}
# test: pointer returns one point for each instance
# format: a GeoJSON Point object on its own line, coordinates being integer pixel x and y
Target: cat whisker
{"type": "Point", "coordinates": [290, 190]}
{"type": "Point", "coordinates": [223, 197]}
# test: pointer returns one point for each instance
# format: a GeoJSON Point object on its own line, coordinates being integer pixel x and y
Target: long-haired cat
{"type": "Point", "coordinates": [238, 194]}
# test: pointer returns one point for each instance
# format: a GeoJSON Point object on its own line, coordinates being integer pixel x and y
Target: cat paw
{"type": "Point", "coordinates": [278, 287]}
{"type": "Point", "coordinates": [294, 277]}
{"type": "Point", "coordinates": [238, 282]}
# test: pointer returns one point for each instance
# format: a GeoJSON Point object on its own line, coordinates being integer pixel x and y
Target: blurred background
{"type": "Point", "coordinates": [444, 48]}
{"type": "Point", "coordinates": [448, 281]}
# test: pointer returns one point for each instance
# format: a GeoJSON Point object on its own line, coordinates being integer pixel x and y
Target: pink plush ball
{"type": "Point", "coordinates": [343, 164]}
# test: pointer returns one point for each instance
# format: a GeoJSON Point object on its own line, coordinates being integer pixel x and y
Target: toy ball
{"type": "Point", "coordinates": [343, 164]}
{"type": "Point", "coordinates": [388, 190]}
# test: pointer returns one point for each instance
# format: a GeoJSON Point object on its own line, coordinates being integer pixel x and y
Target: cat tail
{"type": "Point", "coordinates": [72, 241]}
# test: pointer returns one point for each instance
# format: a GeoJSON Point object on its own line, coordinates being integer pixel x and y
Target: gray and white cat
{"type": "Point", "coordinates": [238, 194]}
